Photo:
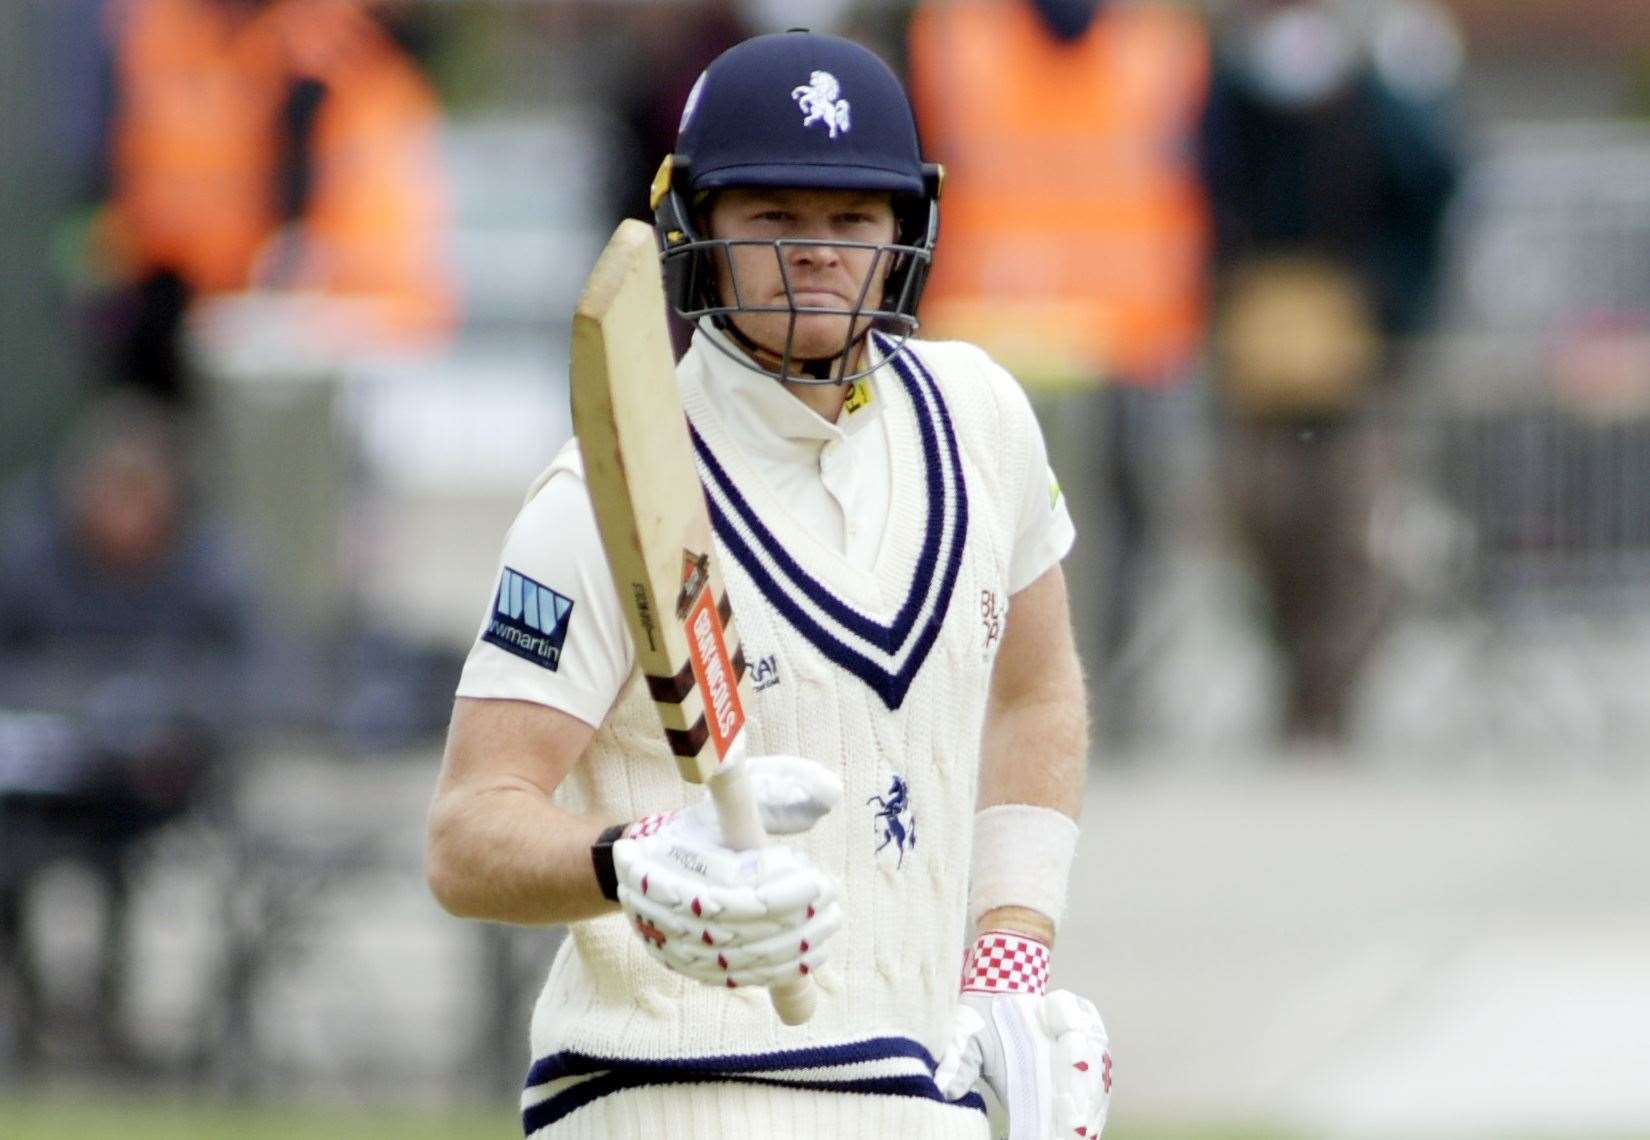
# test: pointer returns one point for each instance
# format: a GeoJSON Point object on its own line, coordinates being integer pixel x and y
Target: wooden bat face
{"type": "Point", "coordinates": [650, 510]}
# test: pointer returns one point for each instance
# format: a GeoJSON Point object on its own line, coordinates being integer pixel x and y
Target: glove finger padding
{"type": "Point", "coordinates": [743, 951]}
{"type": "Point", "coordinates": [1044, 1057]}
{"type": "Point", "coordinates": [746, 956]}
{"type": "Point", "coordinates": [767, 907]}
{"type": "Point", "coordinates": [959, 1067]}
{"type": "Point", "coordinates": [792, 792]}
{"type": "Point", "coordinates": [785, 902]}
{"type": "Point", "coordinates": [725, 917]}
{"type": "Point", "coordinates": [781, 971]}
{"type": "Point", "coordinates": [1080, 1064]}
{"type": "Point", "coordinates": [731, 887]}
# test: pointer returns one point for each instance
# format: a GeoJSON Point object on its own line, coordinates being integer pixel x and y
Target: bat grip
{"type": "Point", "coordinates": [734, 795]}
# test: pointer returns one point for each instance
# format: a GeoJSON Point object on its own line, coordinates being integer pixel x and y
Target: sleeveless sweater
{"type": "Point", "coordinates": [882, 676]}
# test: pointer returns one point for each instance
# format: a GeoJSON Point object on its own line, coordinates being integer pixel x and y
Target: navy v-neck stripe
{"type": "Point", "coordinates": [889, 637]}
{"type": "Point", "coordinates": [891, 685]}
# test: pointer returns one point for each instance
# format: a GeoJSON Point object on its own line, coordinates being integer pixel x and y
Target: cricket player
{"type": "Point", "coordinates": [891, 535]}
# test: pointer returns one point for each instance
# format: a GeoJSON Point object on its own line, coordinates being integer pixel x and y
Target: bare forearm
{"type": "Point", "coordinates": [1035, 751]}
{"type": "Point", "coordinates": [498, 847]}
{"type": "Point", "coordinates": [1034, 756]}
{"type": "Point", "coordinates": [504, 853]}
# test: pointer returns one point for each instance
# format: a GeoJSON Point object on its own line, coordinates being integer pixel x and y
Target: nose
{"type": "Point", "coordinates": [813, 253]}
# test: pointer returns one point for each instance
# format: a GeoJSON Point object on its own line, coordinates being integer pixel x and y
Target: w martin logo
{"type": "Point", "coordinates": [529, 620]}
{"type": "Point", "coordinates": [896, 819]}
{"type": "Point", "coordinates": [821, 102]}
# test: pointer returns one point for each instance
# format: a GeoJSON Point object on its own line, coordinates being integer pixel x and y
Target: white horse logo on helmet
{"type": "Point", "coordinates": [821, 102]}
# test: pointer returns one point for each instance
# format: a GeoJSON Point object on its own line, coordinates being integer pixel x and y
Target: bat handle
{"type": "Point", "coordinates": [741, 821]}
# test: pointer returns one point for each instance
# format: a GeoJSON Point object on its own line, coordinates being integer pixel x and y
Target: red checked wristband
{"type": "Point", "coordinates": [1003, 962]}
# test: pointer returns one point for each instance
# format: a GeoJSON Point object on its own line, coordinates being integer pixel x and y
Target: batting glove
{"type": "Point", "coordinates": [1044, 1055]}
{"type": "Point", "coordinates": [734, 918]}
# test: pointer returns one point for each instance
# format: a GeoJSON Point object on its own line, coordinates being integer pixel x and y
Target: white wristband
{"type": "Point", "coordinates": [1022, 857]}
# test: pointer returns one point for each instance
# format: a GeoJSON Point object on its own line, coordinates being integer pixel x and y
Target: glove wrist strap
{"type": "Point", "coordinates": [1005, 962]}
{"type": "Point", "coordinates": [601, 854]}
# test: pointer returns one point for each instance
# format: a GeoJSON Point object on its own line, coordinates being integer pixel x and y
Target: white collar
{"type": "Point", "coordinates": [761, 410]}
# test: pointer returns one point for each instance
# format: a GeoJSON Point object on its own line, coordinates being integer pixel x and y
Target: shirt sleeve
{"type": "Point", "coordinates": [553, 632]}
{"type": "Point", "coordinates": [1043, 530]}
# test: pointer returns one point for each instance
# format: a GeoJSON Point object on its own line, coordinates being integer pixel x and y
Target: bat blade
{"type": "Point", "coordinates": [650, 510]}
{"type": "Point", "coordinates": [656, 532]}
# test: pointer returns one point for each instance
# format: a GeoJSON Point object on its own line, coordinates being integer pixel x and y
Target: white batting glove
{"type": "Point", "coordinates": [1044, 1055]}
{"type": "Point", "coordinates": [734, 918]}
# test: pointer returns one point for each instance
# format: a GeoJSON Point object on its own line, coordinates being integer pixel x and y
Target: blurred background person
{"type": "Point", "coordinates": [1075, 245]}
{"type": "Point", "coordinates": [675, 43]}
{"type": "Point", "coordinates": [126, 632]}
{"type": "Point", "coordinates": [284, 145]}
{"type": "Point", "coordinates": [1328, 183]}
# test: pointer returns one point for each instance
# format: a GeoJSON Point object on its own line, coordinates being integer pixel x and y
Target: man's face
{"type": "Point", "coordinates": [126, 506]}
{"type": "Point", "coordinates": [820, 276]}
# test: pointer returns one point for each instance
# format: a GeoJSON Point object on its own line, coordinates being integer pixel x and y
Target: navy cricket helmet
{"type": "Point", "coordinates": [803, 111]}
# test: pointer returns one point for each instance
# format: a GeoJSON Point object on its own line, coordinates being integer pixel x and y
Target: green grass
{"type": "Point", "coordinates": [45, 1119]}
{"type": "Point", "coordinates": [54, 1120]}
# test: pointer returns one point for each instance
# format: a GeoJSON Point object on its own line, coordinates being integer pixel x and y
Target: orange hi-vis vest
{"type": "Point", "coordinates": [1073, 223]}
{"type": "Point", "coordinates": [197, 140]}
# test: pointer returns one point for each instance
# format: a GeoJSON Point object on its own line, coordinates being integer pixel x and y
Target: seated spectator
{"type": "Point", "coordinates": [125, 621]}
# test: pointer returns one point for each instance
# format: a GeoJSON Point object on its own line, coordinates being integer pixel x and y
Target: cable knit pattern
{"type": "Point", "coordinates": [887, 994]}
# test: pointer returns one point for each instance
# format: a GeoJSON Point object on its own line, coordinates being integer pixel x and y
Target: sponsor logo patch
{"type": "Point", "coordinates": [708, 654]}
{"type": "Point", "coordinates": [859, 396]}
{"type": "Point", "coordinates": [695, 573]}
{"type": "Point", "coordinates": [529, 620]}
{"type": "Point", "coordinates": [992, 612]}
{"type": "Point", "coordinates": [765, 673]}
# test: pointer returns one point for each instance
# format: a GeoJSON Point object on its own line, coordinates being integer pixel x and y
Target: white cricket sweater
{"type": "Point", "coordinates": [880, 672]}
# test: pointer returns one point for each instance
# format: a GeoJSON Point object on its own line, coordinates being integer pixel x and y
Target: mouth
{"type": "Point", "coordinates": [817, 298]}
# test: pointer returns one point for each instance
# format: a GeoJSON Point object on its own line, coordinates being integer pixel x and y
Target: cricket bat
{"type": "Point", "coordinates": [655, 529]}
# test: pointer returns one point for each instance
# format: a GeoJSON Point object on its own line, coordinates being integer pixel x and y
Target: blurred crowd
{"type": "Point", "coordinates": [1207, 238]}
